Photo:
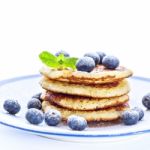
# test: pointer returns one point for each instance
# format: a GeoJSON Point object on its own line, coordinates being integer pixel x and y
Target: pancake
{"type": "Point", "coordinates": [83, 103]}
{"type": "Point", "coordinates": [98, 76]}
{"type": "Point", "coordinates": [96, 91]}
{"type": "Point", "coordinates": [109, 114]}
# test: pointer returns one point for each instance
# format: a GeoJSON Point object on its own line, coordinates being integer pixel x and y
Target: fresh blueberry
{"type": "Point", "coordinates": [38, 96]}
{"type": "Point", "coordinates": [12, 106]}
{"type": "Point", "coordinates": [76, 123]}
{"type": "Point", "coordinates": [52, 117]}
{"type": "Point", "coordinates": [146, 101]}
{"type": "Point", "coordinates": [101, 56]}
{"type": "Point", "coordinates": [130, 117]}
{"type": "Point", "coordinates": [140, 111]}
{"type": "Point", "coordinates": [86, 64]}
{"type": "Point", "coordinates": [110, 62]}
{"type": "Point", "coordinates": [94, 56]}
{"type": "Point", "coordinates": [34, 116]}
{"type": "Point", "coordinates": [34, 103]}
{"type": "Point", "coordinates": [66, 54]}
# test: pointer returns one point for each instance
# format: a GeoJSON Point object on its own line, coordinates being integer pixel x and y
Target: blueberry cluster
{"type": "Point", "coordinates": [92, 59]}
{"type": "Point", "coordinates": [35, 116]}
{"type": "Point", "coordinates": [136, 114]}
{"type": "Point", "coordinates": [131, 117]}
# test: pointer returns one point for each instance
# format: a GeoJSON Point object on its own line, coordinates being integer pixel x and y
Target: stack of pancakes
{"type": "Point", "coordinates": [100, 95]}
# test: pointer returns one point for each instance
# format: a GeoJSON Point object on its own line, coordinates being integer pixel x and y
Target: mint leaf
{"type": "Point", "coordinates": [58, 62]}
{"type": "Point", "coordinates": [70, 62]}
{"type": "Point", "coordinates": [49, 59]}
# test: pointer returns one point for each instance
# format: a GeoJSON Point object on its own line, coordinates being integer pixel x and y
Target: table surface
{"type": "Point", "coordinates": [119, 28]}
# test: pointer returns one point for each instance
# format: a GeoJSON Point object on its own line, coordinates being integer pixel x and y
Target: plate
{"type": "Point", "coordinates": [22, 89]}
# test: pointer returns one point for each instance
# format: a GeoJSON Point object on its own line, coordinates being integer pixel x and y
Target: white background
{"type": "Point", "coordinates": [120, 28]}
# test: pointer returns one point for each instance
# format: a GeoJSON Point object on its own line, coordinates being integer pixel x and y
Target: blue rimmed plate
{"type": "Point", "coordinates": [22, 88]}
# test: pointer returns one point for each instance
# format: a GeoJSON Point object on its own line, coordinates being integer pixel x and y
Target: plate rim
{"type": "Point", "coordinates": [14, 79]}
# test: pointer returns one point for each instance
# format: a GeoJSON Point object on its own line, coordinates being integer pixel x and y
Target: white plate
{"type": "Point", "coordinates": [22, 89]}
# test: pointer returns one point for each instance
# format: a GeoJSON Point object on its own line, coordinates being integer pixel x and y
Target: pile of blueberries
{"type": "Point", "coordinates": [35, 115]}
{"type": "Point", "coordinates": [91, 59]}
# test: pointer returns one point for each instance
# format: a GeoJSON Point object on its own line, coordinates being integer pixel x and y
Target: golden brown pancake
{"type": "Point", "coordinates": [96, 91]}
{"type": "Point", "coordinates": [109, 114]}
{"type": "Point", "coordinates": [83, 103]}
{"type": "Point", "coordinates": [98, 76]}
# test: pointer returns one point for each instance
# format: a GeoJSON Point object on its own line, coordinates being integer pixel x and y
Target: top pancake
{"type": "Point", "coordinates": [99, 75]}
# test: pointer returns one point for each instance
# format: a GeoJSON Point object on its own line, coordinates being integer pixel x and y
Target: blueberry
{"type": "Point", "coordinates": [34, 116]}
{"type": "Point", "coordinates": [94, 56]}
{"type": "Point", "coordinates": [66, 54]}
{"type": "Point", "coordinates": [130, 117]}
{"type": "Point", "coordinates": [86, 64]}
{"type": "Point", "coordinates": [76, 123]}
{"type": "Point", "coordinates": [140, 111]}
{"type": "Point", "coordinates": [52, 117]}
{"type": "Point", "coordinates": [38, 96]}
{"type": "Point", "coordinates": [34, 103]}
{"type": "Point", "coordinates": [12, 106]}
{"type": "Point", "coordinates": [101, 56]}
{"type": "Point", "coordinates": [146, 101]}
{"type": "Point", "coordinates": [110, 62]}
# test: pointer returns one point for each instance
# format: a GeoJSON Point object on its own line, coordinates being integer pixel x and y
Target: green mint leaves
{"type": "Point", "coordinates": [58, 62]}
{"type": "Point", "coordinates": [49, 59]}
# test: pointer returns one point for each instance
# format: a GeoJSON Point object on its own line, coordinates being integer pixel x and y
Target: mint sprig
{"type": "Point", "coordinates": [58, 62]}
